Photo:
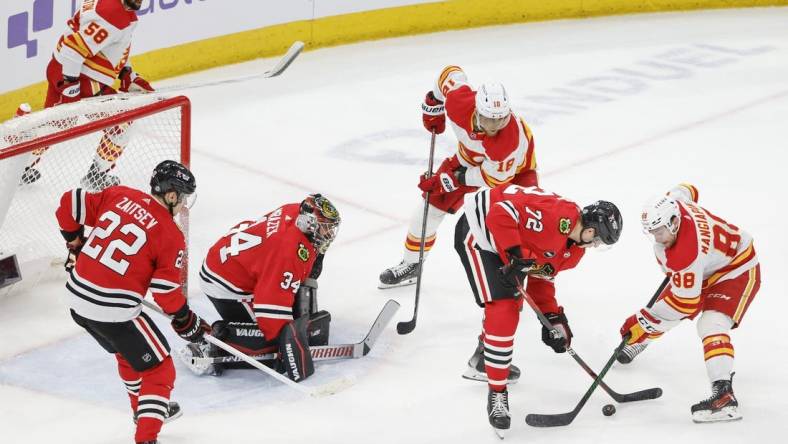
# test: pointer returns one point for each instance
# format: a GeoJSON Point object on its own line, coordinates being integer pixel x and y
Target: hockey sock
{"type": "Point", "coordinates": [500, 324]}
{"type": "Point", "coordinates": [157, 383]}
{"type": "Point", "coordinates": [131, 379]}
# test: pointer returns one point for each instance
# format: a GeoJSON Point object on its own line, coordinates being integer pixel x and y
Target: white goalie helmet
{"type": "Point", "coordinates": [659, 212]}
{"type": "Point", "coordinates": [492, 101]}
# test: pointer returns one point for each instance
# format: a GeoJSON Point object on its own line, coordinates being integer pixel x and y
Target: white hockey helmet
{"type": "Point", "coordinates": [660, 212]}
{"type": "Point", "coordinates": [492, 101]}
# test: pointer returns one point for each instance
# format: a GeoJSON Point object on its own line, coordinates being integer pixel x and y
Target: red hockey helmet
{"type": "Point", "coordinates": [319, 220]}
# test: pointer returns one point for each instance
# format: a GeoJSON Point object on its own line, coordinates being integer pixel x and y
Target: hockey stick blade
{"type": "Point", "coordinates": [642, 395]}
{"type": "Point", "coordinates": [562, 419]}
{"type": "Point", "coordinates": [286, 60]}
{"type": "Point", "coordinates": [383, 319]}
{"type": "Point", "coordinates": [279, 68]}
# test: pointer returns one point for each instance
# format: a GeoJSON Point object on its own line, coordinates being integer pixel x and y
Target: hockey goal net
{"type": "Point", "coordinates": [60, 145]}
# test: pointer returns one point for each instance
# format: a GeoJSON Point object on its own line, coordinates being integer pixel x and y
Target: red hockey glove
{"type": "Point", "coordinates": [189, 326]}
{"type": "Point", "coordinates": [439, 183]}
{"type": "Point", "coordinates": [560, 324]}
{"type": "Point", "coordinates": [639, 327]}
{"type": "Point", "coordinates": [69, 89]}
{"type": "Point", "coordinates": [433, 114]}
{"type": "Point", "coordinates": [131, 81]}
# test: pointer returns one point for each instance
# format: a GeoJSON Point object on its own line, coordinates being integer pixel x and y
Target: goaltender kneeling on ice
{"type": "Point", "coordinates": [262, 279]}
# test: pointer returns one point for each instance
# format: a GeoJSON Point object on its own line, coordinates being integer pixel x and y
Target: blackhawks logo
{"type": "Point", "coordinates": [303, 253]}
{"type": "Point", "coordinates": [564, 225]}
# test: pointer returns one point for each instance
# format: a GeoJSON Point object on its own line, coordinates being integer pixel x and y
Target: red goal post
{"type": "Point", "coordinates": [62, 142]}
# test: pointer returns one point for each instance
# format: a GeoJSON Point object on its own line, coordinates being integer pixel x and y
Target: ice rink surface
{"type": "Point", "coordinates": [622, 108]}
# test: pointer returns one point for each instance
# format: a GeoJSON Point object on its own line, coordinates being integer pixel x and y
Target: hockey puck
{"type": "Point", "coordinates": [609, 410]}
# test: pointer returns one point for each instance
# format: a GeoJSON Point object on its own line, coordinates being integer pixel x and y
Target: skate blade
{"type": "Point", "coordinates": [723, 415]}
{"type": "Point", "coordinates": [404, 283]}
{"type": "Point", "coordinates": [500, 433]}
{"type": "Point", "coordinates": [177, 415]}
{"type": "Point", "coordinates": [473, 375]}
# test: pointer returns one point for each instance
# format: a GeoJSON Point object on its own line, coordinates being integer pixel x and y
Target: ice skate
{"type": "Point", "coordinates": [197, 358]}
{"type": "Point", "coordinates": [173, 412]}
{"type": "Point", "coordinates": [628, 353]}
{"type": "Point", "coordinates": [399, 275]}
{"type": "Point", "coordinates": [498, 412]}
{"type": "Point", "coordinates": [30, 175]}
{"type": "Point", "coordinates": [721, 406]}
{"type": "Point", "coordinates": [477, 372]}
{"type": "Point", "coordinates": [97, 180]}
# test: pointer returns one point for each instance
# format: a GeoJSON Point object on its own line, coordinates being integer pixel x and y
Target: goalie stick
{"type": "Point", "coordinates": [328, 352]}
{"type": "Point", "coordinates": [288, 58]}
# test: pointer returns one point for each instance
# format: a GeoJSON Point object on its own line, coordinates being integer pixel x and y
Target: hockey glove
{"type": "Point", "coordinates": [74, 242]}
{"type": "Point", "coordinates": [513, 274]}
{"type": "Point", "coordinates": [69, 89]}
{"type": "Point", "coordinates": [433, 114]}
{"type": "Point", "coordinates": [559, 344]}
{"type": "Point", "coordinates": [188, 325]}
{"type": "Point", "coordinates": [640, 327]}
{"type": "Point", "coordinates": [130, 81]}
{"type": "Point", "coordinates": [439, 183]}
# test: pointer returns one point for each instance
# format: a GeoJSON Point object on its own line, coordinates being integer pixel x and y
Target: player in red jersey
{"type": "Point", "coordinates": [494, 147]}
{"type": "Point", "coordinates": [512, 234]}
{"type": "Point", "coordinates": [89, 56]}
{"type": "Point", "coordinates": [134, 247]}
{"type": "Point", "coordinates": [715, 273]}
{"type": "Point", "coordinates": [261, 277]}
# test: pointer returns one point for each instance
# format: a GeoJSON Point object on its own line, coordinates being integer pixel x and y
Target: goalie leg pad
{"type": "Point", "coordinates": [244, 336]}
{"type": "Point", "coordinates": [295, 357]}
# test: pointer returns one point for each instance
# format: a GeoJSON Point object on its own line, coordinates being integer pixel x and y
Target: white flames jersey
{"type": "Point", "coordinates": [98, 40]}
{"type": "Point", "coordinates": [491, 161]}
{"type": "Point", "coordinates": [707, 250]}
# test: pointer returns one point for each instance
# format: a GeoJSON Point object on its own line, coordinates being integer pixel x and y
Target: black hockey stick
{"type": "Point", "coordinates": [406, 327]}
{"type": "Point", "coordinates": [640, 395]}
{"type": "Point", "coordinates": [331, 351]}
{"type": "Point", "coordinates": [562, 419]}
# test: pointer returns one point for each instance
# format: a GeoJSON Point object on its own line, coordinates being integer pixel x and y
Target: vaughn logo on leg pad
{"type": "Point", "coordinates": [291, 361]}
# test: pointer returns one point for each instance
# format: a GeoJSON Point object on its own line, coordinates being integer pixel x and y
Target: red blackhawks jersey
{"type": "Point", "coordinates": [98, 40]}
{"type": "Point", "coordinates": [491, 161]}
{"type": "Point", "coordinates": [708, 250]}
{"type": "Point", "coordinates": [537, 221]}
{"type": "Point", "coordinates": [261, 263]}
{"type": "Point", "coordinates": [134, 247]}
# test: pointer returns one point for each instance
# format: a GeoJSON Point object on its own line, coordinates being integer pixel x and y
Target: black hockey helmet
{"type": "Point", "coordinates": [604, 217]}
{"type": "Point", "coordinates": [170, 175]}
{"type": "Point", "coordinates": [133, 5]}
{"type": "Point", "coordinates": [319, 219]}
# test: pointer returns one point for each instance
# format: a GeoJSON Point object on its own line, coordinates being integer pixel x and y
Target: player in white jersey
{"type": "Point", "coordinates": [714, 272]}
{"type": "Point", "coordinates": [494, 147]}
{"type": "Point", "coordinates": [89, 56]}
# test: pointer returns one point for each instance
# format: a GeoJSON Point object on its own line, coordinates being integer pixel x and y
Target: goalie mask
{"type": "Point", "coordinates": [319, 220]}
